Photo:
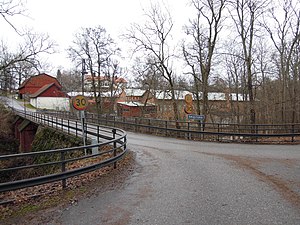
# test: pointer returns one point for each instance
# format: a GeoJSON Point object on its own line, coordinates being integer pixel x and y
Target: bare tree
{"type": "Point", "coordinates": [70, 80]}
{"type": "Point", "coordinates": [236, 70]}
{"type": "Point", "coordinates": [112, 73]}
{"type": "Point", "coordinates": [245, 15]}
{"type": "Point", "coordinates": [11, 8]}
{"type": "Point", "coordinates": [97, 47]}
{"type": "Point", "coordinates": [16, 65]}
{"type": "Point", "coordinates": [27, 56]}
{"type": "Point", "coordinates": [198, 54]}
{"type": "Point", "coordinates": [284, 32]}
{"type": "Point", "coordinates": [265, 71]}
{"type": "Point", "coordinates": [147, 75]}
{"type": "Point", "coordinates": [153, 38]}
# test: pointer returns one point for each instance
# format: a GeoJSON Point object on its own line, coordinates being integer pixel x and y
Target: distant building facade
{"type": "Point", "coordinates": [224, 107]}
{"type": "Point", "coordinates": [34, 83]}
{"type": "Point", "coordinates": [44, 92]}
{"type": "Point", "coordinates": [106, 83]}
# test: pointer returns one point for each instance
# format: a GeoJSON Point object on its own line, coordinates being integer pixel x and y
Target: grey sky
{"type": "Point", "coordinates": [61, 19]}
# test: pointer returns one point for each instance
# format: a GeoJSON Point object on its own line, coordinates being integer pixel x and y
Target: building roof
{"type": "Point", "coordinates": [130, 92]}
{"type": "Point", "coordinates": [34, 77]}
{"type": "Point", "coordinates": [215, 96]}
{"type": "Point", "coordinates": [212, 96]}
{"type": "Point", "coordinates": [135, 104]}
{"type": "Point", "coordinates": [91, 93]}
{"type": "Point", "coordinates": [166, 95]}
{"type": "Point", "coordinates": [41, 90]}
{"type": "Point", "coordinates": [161, 95]}
{"type": "Point", "coordinates": [238, 97]}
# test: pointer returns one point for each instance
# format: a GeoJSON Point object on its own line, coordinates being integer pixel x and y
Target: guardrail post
{"type": "Point", "coordinates": [124, 125]}
{"type": "Point", "coordinates": [98, 135]}
{"type": "Point", "coordinates": [256, 131]}
{"type": "Point", "coordinates": [125, 140]}
{"type": "Point", "coordinates": [218, 139]}
{"type": "Point", "coordinates": [86, 132]}
{"type": "Point", "coordinates": [63, 169]}
{"type": "Point", "coordinates": [68, 126]}
{"type": "Point", "coordinates": [166, 128]}
{"type": "Point", "coordinates": [76, 128]}
{"type": "Point", "coordinates": [135, 121]}
{"type": "Point", "coordinates": [149, 124]}
{"type": "Point", "coordinates": [189, 134]}
{"type": "Point", "coordinates": [114, 131]}
{"type": "Point", "coordinates": [202, 125]}
{"type": "Point", "coordinates": [293, 132]}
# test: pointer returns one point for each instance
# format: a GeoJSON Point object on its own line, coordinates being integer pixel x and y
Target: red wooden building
{"type": "Point", "coordinates": [47, 90]}
{"type": "Point", "coordinates": [136, 109]}
{"type": "Point", "coordinates": [35, 83]}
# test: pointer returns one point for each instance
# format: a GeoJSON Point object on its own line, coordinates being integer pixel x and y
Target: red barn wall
{"type": "Point", "coordinates": [136, 111]}
{"type": "Point", "coordinates": [128, 111]}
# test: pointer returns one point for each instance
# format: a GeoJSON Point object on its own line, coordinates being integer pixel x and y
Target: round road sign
{"type": "Point", "coordinates": [188, 109]}
{"type": "Point", "coordinates": [80, 102]}
{"type": "Point", "coordinates": [188, 98]}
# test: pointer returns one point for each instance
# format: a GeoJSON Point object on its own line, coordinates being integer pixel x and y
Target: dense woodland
{"type": "Point", "coordinates": [249, 47]}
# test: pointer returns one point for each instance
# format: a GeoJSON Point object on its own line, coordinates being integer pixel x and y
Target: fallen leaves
{"type": "Point", "coordinates": [49, 194]}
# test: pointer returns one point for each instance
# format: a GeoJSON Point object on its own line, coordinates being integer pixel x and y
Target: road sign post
{"type": "Point", "coordinates": [196, 117]}
{"type": "Point", "coordinates": [80, 103]}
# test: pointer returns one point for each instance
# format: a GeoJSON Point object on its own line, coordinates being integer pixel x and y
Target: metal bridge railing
{"type": "Point", "coordinates": [194, 130]}
{"type": "Point", "coordinates": [109, 148]}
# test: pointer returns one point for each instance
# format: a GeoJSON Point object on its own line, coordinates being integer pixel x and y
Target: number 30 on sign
{"type": "Point", "coordinates": [80, 102]}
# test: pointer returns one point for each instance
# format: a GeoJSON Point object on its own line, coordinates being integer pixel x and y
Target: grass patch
{"type": "Point", "coordinates": [41, 203]}
{"type": "Point", "coordinates": [24, 210]}
{"type": "Point", "coordinates": [29, 106]}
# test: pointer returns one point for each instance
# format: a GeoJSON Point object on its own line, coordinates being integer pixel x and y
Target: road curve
{"type": "Point", "coordinates": [185, 182]}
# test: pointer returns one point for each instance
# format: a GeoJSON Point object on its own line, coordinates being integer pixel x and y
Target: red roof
{"type": "Point", "coordinates": [37, 80]}
{"type": "Point", "coordinates": [49, 90]}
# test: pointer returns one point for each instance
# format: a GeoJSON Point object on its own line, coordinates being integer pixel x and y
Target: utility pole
{"type": "Point", "coordinates": [83, 72]}
{"type": "Point", "coordinates": [81, 112]}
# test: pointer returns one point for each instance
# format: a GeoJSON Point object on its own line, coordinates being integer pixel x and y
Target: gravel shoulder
{"type": "Point", "coordinates": [47, 203]}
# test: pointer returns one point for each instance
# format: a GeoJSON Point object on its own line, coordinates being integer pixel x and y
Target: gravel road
{"type": "Point", "coordinates": [184, 182]}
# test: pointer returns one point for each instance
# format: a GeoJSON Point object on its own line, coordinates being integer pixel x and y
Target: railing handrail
{"type": "Point", "coordinates": [197, 128]}
{"type": "Point", "coordinates": [117, 139]}
{"type": "Point", "coordinates": [178, 121]}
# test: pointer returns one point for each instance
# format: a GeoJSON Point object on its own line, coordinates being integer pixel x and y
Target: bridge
{"type": "Point", "coordinates": [26, 125]}
{"type": "Point", "coordinates": [183, 181]}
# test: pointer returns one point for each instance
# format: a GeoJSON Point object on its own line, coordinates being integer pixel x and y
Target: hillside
{"type": "Point", "coordinates": [8, 144]}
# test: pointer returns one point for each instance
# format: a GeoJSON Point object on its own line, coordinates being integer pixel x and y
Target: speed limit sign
{"type": "Point", "coordinates": [80, 102]}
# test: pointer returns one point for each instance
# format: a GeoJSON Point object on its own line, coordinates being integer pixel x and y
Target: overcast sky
{"type": "Point", "coordinates": [61, 19]}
